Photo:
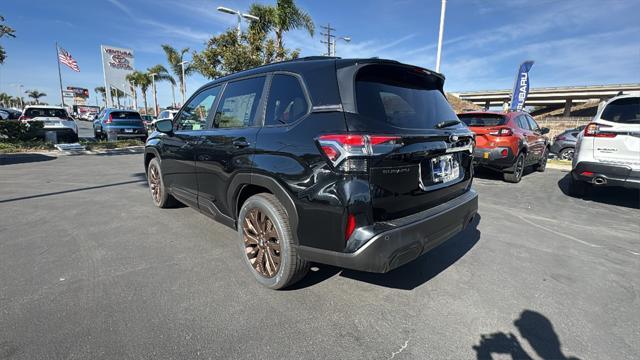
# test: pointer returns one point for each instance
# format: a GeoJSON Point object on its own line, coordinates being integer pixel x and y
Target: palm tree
{"type": "Point", "coordinates": [144, 81]}
{"type": "Point", "coordinates": [35, 95]}
{"type": "Point", "coordinates": [175, 59]}
{"type": "Point", "coordinates": [283, 17]}
{"type": "Point", "coordinates": [8, 31]}
{"type": "Point", "coordinates": [160, 74]}
{"type": "Point", "coordinates": [4, 99]}
{"type": "Point", "coordinates": [101, 91]}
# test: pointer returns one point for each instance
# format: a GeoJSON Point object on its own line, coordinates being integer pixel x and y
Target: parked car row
{"type": "Point", "coordinates": [55, 119]}
{"type": "Point", "coordinates": [114, 124]}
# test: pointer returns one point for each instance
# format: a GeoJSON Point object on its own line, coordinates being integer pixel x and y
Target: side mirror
{"type": "Point", "coordinates": [164, 126]}
{"type": "Point", "coordinates": [544, 131]}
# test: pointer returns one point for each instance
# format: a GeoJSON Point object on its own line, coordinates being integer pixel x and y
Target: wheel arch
{"type": "Point", "coordinates": [244, 186]}
{"type": "Point", "coordinates": [150, 153]}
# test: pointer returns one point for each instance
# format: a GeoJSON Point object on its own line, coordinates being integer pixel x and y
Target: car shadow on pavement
{"type": "Point", "coordinates": [411, 275]}
{"type": "Point", "coordinates": [535, 328]}
{"type": "Point", "coordinates": [617, 196]}
{"type": "Point", "coordinates": [487, 174]}
{"type": "Point", "coordinates": [11, 159]}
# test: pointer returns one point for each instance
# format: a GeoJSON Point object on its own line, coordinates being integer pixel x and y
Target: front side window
{"type": "Point", "coordinates": [195, 114]}
{"type": "Point", "coordinates": [533, 124]}
{"type": "Point", "coordinates": [625, 110]}
{"type": "Point", "coordinates": [287, 102]}
{"type": "Point", "coordinates": [239, 103]}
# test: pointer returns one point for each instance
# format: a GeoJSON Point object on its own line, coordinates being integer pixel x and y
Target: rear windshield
{"type": "Point", "coordinates": [482, 120]}
{"type": "Point", "coordinates": [128, 115]}
{"type": "Point", "coordinates": [625, 110]}
{"type": "Point", "coordinates": [401, 97]}
{"type": "Point", "coordinates": [44, 112]}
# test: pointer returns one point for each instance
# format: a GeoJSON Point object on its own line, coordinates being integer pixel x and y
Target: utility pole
{"type": "Point", "coordinates": [329, 37]}
{"type": "Point", "coordinates": [155, 96]}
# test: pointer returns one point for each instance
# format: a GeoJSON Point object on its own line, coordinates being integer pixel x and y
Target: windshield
{"type": "Point", "coordinates": [400, 97]}
{"type": "Point", "coordinates": [44, 112]}
{"type": "Point", "coordinates": [625, 110]}
{"type": "Point", "coordinates": [482, 119]}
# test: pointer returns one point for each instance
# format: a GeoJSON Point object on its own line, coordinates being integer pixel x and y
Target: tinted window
{"type": "Point", "coordinates": [195, 114]}
{"type": "Point", "coordinates": [482, 120]}
{"type": "Point", "coordinates": [400, 98]}
{"type": "Point", "coordinates": [532, 123]}
{"type": "Point", "coordinates": [239, 103]}
{"type": "Point", "coordinates": [625, 110]}
{"type": "Point", "coordinates": [121, 115]}
{"type": "Point", "coordinates": [522, 122]}
{"type": "Point", "coordinates": [287, 102]}
{"type": "Point", "coordinates": [4, 115]}
{"type": "Point", "coordinates": [44, 112]}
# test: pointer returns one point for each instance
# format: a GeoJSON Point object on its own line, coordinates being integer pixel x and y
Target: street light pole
{"type": "Point", "coordinates": [443, 9]}
{"type": "Point", "coordinates": [155, 96]}
{"type": "Point", "coordinates": [335, 40]}
{"type": "Point", "coordinates": [184, 82]}
{"type": "Point", "coordinates": [240, 15]}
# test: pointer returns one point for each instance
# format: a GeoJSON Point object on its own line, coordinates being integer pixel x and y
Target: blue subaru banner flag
{"type": "Point", "coordinates": [521, 87]}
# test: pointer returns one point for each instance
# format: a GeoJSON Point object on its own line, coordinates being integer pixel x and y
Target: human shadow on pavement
{"type": "Point", "coordinates": [617, 196]}
{"type": "Point", "coordinates": [11, 159]}
{"type": "Point", "coordinates": [411, 275]}
{"type": "Point", "coordinates": [533, 327]}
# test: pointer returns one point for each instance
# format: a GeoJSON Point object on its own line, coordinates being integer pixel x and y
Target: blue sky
{"type": "Point", "coordinates": [574, 42]}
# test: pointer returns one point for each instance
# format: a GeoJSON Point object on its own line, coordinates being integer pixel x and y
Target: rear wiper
{"type": "Point", "coordinates": [447, 123]}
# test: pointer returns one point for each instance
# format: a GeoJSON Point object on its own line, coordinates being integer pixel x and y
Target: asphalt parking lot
{"type": "Point", "coordinates": [89, 268]}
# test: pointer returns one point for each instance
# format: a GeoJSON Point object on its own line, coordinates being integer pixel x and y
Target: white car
{"type": "Point", "coordinates": [54, 118]}
{"type": "Point", "coordinates": [608, 150]}
{"type": "Point", "coordinates": [164, 114]}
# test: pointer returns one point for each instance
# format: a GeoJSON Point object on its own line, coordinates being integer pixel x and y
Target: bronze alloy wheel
{"type": "Point", "coordinates": [154, 184]}
{"type": "Point", "coordinates": [261, 242]}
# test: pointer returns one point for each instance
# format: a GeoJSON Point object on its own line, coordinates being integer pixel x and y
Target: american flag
{"type": "Point", "coordinates": [67, 59]}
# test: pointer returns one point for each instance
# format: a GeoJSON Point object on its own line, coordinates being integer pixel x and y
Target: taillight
{"type": "Point", "coordinates": [24, 118]}
{"type": "Point", "coordinates": [596, 130]}
{"type": "Point", "coordinates": [109, 119]}
{"type": "Point", "coordinates": [351, 226]}
{"type": "Point", "coordinates": [501, 132]}
{"type": "Point", "coordinates": [349, 152]}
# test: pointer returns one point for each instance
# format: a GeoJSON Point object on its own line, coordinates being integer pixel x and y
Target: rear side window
{"type": "Point", "coordinates": [44, 112]}
{"type": "Point", "coordinates": [482, 120]}
{"type": "Point", "coordinates": [625, 110]}
{"type": "Point", "coordinates": [239, 103]}
{"type": "Point", "coordinates": [533, 124]}
{"type": "Point", "coordinates": [401, 98]}
{"type": "Point", "coordinates": [522, 123]}
{"type": "Point", "coordinates": [121, 115]}
{"type": "Point", "coordinates": [287, 102]}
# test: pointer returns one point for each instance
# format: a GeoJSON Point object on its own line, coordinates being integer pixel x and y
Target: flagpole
{"type": "Point", "coordinates": [59, 74]}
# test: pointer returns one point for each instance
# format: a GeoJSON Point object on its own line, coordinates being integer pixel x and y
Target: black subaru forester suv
{"type": "Point", "coordinates": [357, 163]}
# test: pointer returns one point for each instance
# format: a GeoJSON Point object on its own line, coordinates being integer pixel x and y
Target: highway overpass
{"type": "Point", "coordinates": [567, 95]}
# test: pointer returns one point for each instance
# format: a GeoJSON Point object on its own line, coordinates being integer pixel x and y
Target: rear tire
{"type": "Point", "coordinates": [518, 170]}
{"type": "Point", "coordinates": [267, 243]}
{"type": "Point", "coordinates": [159, 193]}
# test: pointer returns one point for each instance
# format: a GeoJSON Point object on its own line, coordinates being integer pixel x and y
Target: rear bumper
{"type": "Point", "coordinates": [121, 132]}
{"type": "Point", "coordinates": [395, 243]}
{"type": "Point", "coordinates": [614, 175]}
{"type": "Point", "coordinates": [493, 157]}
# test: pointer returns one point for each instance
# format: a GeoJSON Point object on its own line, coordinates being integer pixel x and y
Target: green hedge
{"type": "Point", "coordinates": [18, 131]}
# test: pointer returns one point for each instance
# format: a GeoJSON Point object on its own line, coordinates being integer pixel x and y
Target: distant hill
{"type": "Point", "coordinates": [460, 105]}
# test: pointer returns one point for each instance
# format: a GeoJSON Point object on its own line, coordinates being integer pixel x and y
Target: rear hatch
{"type": "Point", "coordinates": [616, 133]}
{"type": "Point", "coordinates": [484, 126]}
{"type": "Point", "coordinates": [50, 117]}
{"type": "Point", "coordinates": [420, 153]}
{"type": "Point", "coordinates": [126, 119]}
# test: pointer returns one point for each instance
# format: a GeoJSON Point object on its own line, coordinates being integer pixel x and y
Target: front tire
{"type": "Point", "coordinates": [518, 170]}
{"type": "Point", "coordinates": [159, 193]}
{"type": "Point", "coordinates": [542, 164]}
{"type": "Point", "coordinates": [266, 241]}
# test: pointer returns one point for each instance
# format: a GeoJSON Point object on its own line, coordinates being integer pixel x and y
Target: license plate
{"type": "Point", "coordinates": [128, 130]}
{"type": "Point", "coordinates": [444, 169]}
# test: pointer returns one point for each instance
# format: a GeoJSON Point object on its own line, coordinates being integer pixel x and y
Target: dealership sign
{"type": "Point", "coordinates": [117, 63]}
{"type": "Point", "coordinates": [79, 92]}
{"type": "Point", "coordinates": [521, 87]}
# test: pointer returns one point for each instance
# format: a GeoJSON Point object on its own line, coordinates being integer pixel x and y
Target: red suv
{"type": "Point", "coordinates": [507, 142]}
